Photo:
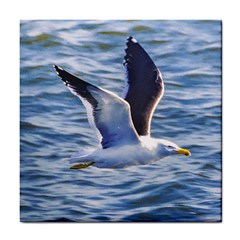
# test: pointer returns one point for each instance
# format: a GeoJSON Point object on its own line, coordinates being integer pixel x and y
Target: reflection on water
{"type": "Point", "coordinates": [54, 123]}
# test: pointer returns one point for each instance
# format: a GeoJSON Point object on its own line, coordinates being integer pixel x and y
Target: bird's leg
{"type": "Point", "coordinates": [82, 165]}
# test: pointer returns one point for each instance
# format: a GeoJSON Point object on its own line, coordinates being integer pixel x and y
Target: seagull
{"type": "Point", "coordinates": [123, 124]}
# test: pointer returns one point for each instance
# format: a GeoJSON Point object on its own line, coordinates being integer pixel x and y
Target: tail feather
{"type": "Point", "coordinates": [83, 156]}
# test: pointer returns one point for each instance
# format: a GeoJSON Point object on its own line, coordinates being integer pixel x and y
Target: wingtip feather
{"type": "Point", "coordinates": [131, 39]}
{"type": "Point", "coordinates": [57, 67]}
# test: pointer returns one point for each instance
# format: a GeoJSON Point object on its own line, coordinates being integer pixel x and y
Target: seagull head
{"type": "Point", "coordinates": [170, 148]}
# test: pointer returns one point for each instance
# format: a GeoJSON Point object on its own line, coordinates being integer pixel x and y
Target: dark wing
{"type": "Point", "coordinates": [145, 85]}
{"type": "Point", "coordinates": [107, 113]}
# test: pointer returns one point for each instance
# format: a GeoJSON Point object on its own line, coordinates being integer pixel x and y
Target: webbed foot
{"type": "Point", "coordinates": [82, 165]}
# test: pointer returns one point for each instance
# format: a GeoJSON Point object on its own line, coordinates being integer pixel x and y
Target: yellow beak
{"type": "Point", "coordinates": [184, 151]}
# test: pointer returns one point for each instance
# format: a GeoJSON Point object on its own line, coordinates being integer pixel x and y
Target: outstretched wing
{"type": "Point", "coordinates": [107, 112]}
{"type": "Point", "coordinates": [145, 85]}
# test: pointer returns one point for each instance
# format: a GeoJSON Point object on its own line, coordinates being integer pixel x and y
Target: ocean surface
{"type": "Point", "coordinates": [54, 125]}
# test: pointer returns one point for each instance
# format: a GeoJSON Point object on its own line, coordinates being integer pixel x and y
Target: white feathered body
{"type": "Point", "coordinates": [147, 151]}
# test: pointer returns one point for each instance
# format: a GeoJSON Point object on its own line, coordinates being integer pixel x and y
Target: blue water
{"type": "Point", "coordinates": [54, 123]}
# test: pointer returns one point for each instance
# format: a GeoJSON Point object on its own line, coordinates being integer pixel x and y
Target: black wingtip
{"type": "Point", "coordinates": [57, 69]}
{"type": "Point", "coordinates": [131, 42]}
{"type": "Point", "coordinates": [131, 39]}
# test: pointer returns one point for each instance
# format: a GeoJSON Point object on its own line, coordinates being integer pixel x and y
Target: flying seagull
{"type": "Point", "coordinates": [123, 124]}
